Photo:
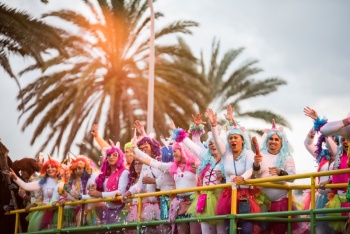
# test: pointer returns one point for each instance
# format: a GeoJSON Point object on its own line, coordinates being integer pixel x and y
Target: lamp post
{"type": "Point", "coordinates": [150, 100]}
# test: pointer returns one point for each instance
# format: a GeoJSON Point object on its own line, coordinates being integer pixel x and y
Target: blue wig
{"type": "Point", "coordinates": [284, 151]}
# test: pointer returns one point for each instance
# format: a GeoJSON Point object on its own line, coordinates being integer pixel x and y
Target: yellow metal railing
{"type": "Point", "coordinates": [261, 182]}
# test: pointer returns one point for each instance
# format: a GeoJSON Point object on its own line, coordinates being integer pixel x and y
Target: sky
{"type": "Point", "coordinates": [306, 43]}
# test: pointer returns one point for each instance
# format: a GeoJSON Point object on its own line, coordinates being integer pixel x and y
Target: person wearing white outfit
{"type": "Point", "coordinates": [46, 183]}
{"type": "Point", "coordinates": [237, 157]}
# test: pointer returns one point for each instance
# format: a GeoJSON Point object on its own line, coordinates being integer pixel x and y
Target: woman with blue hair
{"type": "Point", "coordinates": [237, 157]}
{"type": "Point", "coordinates": [209, 172]}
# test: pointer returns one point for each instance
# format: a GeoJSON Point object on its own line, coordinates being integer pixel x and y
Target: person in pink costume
{"type": "Point", "coordinates": [334, 128]}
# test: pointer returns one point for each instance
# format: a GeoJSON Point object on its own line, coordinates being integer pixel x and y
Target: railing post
{"type": "Point", "coordinates": [312, 205]}
{"type": "Point", "coordinates": [139, 210]}
{"type": "Point", "coordinates": [17, 223]}
{"type": "Point", "coordinates": [60, 217]}
{"type": "Point", "coordinates": [233, 224]}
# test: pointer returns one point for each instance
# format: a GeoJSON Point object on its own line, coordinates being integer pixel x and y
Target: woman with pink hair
{"type": "Point", "coordinates": [46, 183]}
{"type": "Point", "coordinates": [184, 176]}
{"type": "Point", "coordinates": [112, 181]}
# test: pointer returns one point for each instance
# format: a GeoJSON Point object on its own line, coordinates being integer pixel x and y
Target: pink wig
{"type": "Point", "coordinates": [187, 155]}
{"type": "Point", "coordinates": [105, 168]}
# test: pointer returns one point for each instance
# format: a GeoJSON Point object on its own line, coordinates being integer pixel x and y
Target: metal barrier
{"type": "Point", "coordinates": [261, 182]}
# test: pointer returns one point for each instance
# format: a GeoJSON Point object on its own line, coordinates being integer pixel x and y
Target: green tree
{"type": "Point", "coordinates": [105, 78]}
{"type": "Point", "coordinates": [25, 36]}
{"type": "Point", "coordinates": [232, 84]}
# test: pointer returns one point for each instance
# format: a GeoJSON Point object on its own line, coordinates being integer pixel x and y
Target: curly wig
{"type": "Point", "coordinates": [155, 146]}
{"type": "Point", "coordinates": [25, 164]}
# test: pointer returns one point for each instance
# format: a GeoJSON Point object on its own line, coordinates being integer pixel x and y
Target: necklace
{"type": "Point", "coordinates": [239, 156]}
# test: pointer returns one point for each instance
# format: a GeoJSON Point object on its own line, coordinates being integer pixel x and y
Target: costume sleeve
{"type": "Point", "coordinates": [164, 167]}
{"type": "Point", "coordinates": [153, 163]}
{"type": "Point", "coordinates": [159, 181]}
{"type": "Point", "coordinates": [195, 148]}
{"type": "Point", "coordinates": [220, 145]}
{"type": "Point", "coordinates": [31, 186]}
{"type": "Point", "coordinates": [310, 146]}
{"type": "Point", "coordinates": [336, 128]}
{"type": "Point", "coordinates": [122, 184]}
{"type": "Point", "coordinates": [331, 145]}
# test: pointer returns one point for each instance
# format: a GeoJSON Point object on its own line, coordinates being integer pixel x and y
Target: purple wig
{"type": "Point", "coordinates": [155, 146]}
{"type": "Point", "coordinates": [105, 168]}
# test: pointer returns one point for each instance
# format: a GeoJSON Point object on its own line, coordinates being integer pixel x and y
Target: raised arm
{"type": "Point", "coordinates": [229, 113]}
{"type": "Point", "coordinates": [212, 116]}
{"type": "Point", "coordinates": [145, 159]}
{"type": "Point", "coordinates": [100, 141]}
{"type": "Point", "coordinates": [31, 186]}
{"type": "Point", "coordinates": [197, 128]}
{"type": "Point", "coordinates": [340, 127]}
{"type": "Point", "coordinates": [309, 143]}
{"type": "Point", "coordinates": [140, 128]}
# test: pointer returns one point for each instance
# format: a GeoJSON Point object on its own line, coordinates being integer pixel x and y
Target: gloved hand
{"type": "Point", "coordinates": [12, 186]}
{"type": "Point", "coordinates": [8, 208]}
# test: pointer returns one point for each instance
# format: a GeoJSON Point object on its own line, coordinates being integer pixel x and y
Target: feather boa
{"type": "Point", "coordinates": [179, 135]}
{"type": "Point", "coordinates": [194, 130]}
{"type": "Point", "coordinates": [318, 124]}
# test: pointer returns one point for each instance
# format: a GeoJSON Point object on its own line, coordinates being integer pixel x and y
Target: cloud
{"type": "Point", "coordinates": [304, 42]}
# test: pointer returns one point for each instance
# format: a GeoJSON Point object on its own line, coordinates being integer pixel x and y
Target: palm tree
{"type": "Point", "coordinates": [232, 88]}
{"type": "Point", "coordinates": [105, 78]}
{"type": "Point", "coordinates": [23, 35]}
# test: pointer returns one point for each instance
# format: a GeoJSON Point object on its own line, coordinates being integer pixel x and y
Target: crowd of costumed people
{"type": "Point", "coordinates": [186, 159]}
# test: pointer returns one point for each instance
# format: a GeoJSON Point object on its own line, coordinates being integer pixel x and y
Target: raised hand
{"type": "Point", "coordinates": [212, 116]}
{"type": "Point", "coordinates": [197, 119]}
{"type": "Point", "coordinates": [140, 127]}
{"type": "Point", "coordinates": [229, 113]}
{"type": "Point", "coordinates": [171, 125]}
{"type": "Point", "coordinates": [94, 130]}
{"type": "Point", "coordinates": [310, 113]}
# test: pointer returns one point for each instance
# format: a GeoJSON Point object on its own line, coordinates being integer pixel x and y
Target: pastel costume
{"type": "Point", "coordinates": [339, 199]}
{"type": "Point", "coordinates": [183, 179]}
{"type": "Point", "coordinates": [242, 166]}
{"type": "Point", "coordinates": [72, 214]}
{"type": "Point", "coordinates": [165, 182]}
{"type": "Point", "coordinates": [36, 219]}
{"type": "Point", "coordinates": [341, 162]}
{"type": "Point", "coordinates": [323, 159]}
{"type": "Point", "coordinates": [150, 205]}
{"type": "Point", "coordinates": [207, 175]}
